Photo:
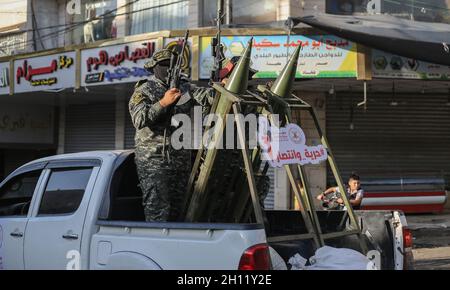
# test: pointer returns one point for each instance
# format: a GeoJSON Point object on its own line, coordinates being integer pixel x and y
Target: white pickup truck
{"type": "Point", "coordinates": [84, 211]}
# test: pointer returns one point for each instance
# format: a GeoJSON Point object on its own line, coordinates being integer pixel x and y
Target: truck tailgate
{"type": "Point", "coordinates": [139, 245]}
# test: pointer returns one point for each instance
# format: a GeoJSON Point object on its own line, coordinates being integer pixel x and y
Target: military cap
{"type": "Point", "coordinates": [157, 57]}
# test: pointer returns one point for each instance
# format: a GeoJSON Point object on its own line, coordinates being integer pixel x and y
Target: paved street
{"type": "Point", "coordinates": [431, 241]}
{"type": "Point", "coordinates": [432, 258]}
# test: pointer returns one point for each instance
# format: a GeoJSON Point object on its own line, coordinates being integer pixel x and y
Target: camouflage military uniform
{"type": "Point", "coordinates": [163, 181]}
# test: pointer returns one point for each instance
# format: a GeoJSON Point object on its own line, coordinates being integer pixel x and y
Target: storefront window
{"type": "Point", "coordinates": [99, 16]}
{"type": "Point", "coordinates": [241, 12]}
{"type": "Point", "coordinates": [347, 6]}
{"type": "Point", "coordinates": [156, 15]}
{"type": "Point", "coordinates": [253, 11]}
{"type": "Point", "coordinates": [418, 10]}
{"type": "Point", "coordinates": [209, 12]}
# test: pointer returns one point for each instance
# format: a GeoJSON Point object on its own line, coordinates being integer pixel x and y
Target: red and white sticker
{"type": "Point", "coordinates": [287, 145]}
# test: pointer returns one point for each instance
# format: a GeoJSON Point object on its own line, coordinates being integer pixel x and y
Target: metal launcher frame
{"type": "Point", "coordinates": [276, 100]}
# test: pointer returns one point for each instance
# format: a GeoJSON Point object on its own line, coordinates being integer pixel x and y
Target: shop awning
{"type": "Point", "coordinates": [418, 40]}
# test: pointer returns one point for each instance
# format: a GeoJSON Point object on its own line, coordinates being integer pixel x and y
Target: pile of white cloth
{"type": "Point", "coordinates": [329, 258]}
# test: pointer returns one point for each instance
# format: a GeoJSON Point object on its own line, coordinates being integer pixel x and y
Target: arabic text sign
{"type": "Point", "coordinates": [26, 124]}
{"type": "Point", "coordinates": [116, 64]}
{"type": "Point", "coordinates": [4, 78]}
{"type": "Point", "coordinates": [321, 56]}
{"type": "Point", "coordinates": [45, 72]}
{"type": "Point", "coordinates": [287, 145]}
{"type": "Point", "coordinates": [386, 65]}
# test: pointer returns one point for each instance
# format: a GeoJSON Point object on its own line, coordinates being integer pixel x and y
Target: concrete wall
{"type": "Point", "coordinates": [47, 13]}
{"type": "Point", "coordinates": [297, 8]}
{"type": "Point", "coordinates": [316, 174]}
{"type": "Point", "coordinates": [282, 198]}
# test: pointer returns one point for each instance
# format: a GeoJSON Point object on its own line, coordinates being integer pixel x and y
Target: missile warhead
{"type": "Point", "coordinates": [238, 81]}
{"type": "Point", "coordinates": [283, 84]}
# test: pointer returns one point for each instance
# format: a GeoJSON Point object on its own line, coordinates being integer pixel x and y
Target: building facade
{"type": "Point", "coordinates": [89, 56]}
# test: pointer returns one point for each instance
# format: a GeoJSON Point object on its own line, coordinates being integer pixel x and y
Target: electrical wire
{"type": "Point", "coordinates": [68, 27]}
{"type": "Point", "coordinates": [72, 26]}
{"type": "Point", "coordinates": [102, 16]}
{"type": "Point", "coordinates": [14, 12]}
{"type": "Point", "coordinates": [423, 4]}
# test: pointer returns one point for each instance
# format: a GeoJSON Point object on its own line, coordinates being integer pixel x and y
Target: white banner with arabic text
{"type": "Point", "coordinates": [287, 145]}
{"type": "Point", "coordinates": [45, 72]}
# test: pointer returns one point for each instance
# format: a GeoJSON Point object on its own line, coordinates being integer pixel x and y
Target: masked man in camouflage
{"type": "Point", "coordinates": [163, 172]}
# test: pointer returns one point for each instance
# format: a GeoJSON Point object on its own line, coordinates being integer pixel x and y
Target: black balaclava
{"type": "Point", "coordinates": [161, 71]}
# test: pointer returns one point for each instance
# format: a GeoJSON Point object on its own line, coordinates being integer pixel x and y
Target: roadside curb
{"type": "Point", "coordinates": [431, 237]}
{"type": "Point", "coordinates": [430, 231]}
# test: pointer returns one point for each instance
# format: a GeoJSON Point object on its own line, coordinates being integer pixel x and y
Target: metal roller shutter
{"type": "Point", "coordinates": [90, 127]}
{"type": "Point", "coordinates": [129, 129]}
{"type": "Point", "coordinates": [410, 138]}
{"type": "Point", "coordinates": [269, 202]}
{"type": "Point", "coordinates": [15, 158]}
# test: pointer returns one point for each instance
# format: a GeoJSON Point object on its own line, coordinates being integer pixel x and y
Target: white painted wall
{"type": "Point", "coordinates": [297, 8]}
{"type": "Point", "coordinates": [282, 198]}
{"type": "Point", "coordinates": [12, 12]}
{"type": "Point", "coordinates": [316, 174]}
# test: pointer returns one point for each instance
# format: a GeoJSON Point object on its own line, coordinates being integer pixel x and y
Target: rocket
{"type": "Point", "coordinates": [238, 81]}
{"type": "Point", "coordinates": [282, 86]}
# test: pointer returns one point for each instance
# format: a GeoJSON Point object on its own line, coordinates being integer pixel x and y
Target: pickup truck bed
{"type": "Point", "coordinates": [377, 225]}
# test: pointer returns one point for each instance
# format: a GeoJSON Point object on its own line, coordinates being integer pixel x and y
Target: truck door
{"type": "Point", "coordinates": [54, 231]}
{"type": "Point", "coordinates": [16, 193]}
